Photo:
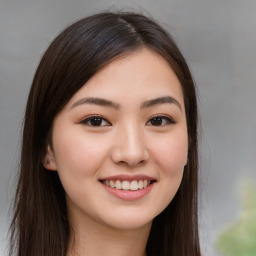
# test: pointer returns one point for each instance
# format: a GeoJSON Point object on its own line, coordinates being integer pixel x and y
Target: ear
{"type": "Point", "coordinates": [186, 162]}
{"type": "Point", "coordinates": [49, 162]}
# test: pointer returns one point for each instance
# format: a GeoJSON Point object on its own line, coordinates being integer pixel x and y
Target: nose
{"type": "Point", "coordinates": [129, 147]}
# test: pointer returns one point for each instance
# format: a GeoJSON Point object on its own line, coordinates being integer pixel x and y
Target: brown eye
{"type": "Point", "coordinates": [156, 120]}
{"type": "Point", "coordinates": [160, 121]}
{"type": "Point", "coordinates": [96, 121]}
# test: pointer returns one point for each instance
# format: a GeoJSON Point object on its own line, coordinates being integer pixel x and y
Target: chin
{"type": "Point", "coordinates": [129, 222]}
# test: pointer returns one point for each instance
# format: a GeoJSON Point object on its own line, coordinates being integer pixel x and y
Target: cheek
{"type": "Point", "coordinates": [171, 154]}
{"type": "Point", "coordinates": [78, 155]}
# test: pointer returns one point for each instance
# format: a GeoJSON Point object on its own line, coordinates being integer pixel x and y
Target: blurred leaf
{"type": "Point", "coordinates": [240, 238]}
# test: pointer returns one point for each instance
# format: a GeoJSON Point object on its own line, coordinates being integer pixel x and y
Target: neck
{"type": "Point", "coordinates": [93, 239]}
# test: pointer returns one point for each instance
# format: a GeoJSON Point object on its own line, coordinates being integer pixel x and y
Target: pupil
{"type": "Point", "coordinates": [156, 121]}
{"type": "Point", "coordinates": [96, 121]}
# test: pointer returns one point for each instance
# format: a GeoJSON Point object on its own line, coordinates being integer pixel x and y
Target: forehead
{"type": "Point", "coordinates": [140, 75]}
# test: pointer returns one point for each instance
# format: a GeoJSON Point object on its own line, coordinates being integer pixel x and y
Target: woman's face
{"type": "Point", "coordinates": [120, 144]}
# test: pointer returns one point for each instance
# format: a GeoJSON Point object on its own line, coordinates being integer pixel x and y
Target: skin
{"type": "Point", "coordinates": [127, 142]}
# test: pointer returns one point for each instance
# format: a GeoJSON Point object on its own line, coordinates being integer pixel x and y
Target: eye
{"type": "Point", "coordinates": [96, 121]}
{"type": "Point", "coordinates": [160, 121]}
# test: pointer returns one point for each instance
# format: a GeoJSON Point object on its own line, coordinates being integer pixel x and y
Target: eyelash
{"type": "Point", "coordinates": [91, 118]}
{"type": "Point", "coordinates": [167, 120]}
{"type": "Point", "coordinates": [100, 119]}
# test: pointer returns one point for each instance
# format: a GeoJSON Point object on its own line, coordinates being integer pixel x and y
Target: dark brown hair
{"type": "Point", "coordinates": [40, 225]}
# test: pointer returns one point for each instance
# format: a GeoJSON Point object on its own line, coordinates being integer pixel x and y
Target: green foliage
{"type": "Point", "coordinates": [240, 238]}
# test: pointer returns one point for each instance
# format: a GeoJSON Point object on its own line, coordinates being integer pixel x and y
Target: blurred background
{"type": "Point", "coordinates": [218, 39]}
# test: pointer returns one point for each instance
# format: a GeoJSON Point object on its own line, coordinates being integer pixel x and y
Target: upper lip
{"type": "Point", "coordinates": [128, 177]}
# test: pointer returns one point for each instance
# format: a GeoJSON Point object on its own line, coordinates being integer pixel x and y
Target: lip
{"type": "Point", "coordinates": [129, 194]}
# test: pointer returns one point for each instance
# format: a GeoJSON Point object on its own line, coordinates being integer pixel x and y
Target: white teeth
{"type": "Point", "coordinates": [127, 185]}
{"type": "Point", "coordinates": [112, 183]}
{"type": "Point", "coordinates": [118, 184]}
{"type": "Point", "coordinates": [134, 185]}
{"type": "Point", "coordinates": [140, 184]}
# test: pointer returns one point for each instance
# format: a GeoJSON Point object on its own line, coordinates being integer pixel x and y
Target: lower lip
{"type": "Point", "coordinates": [129, 194]}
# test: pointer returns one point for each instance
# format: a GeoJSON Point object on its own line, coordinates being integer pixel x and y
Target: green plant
{"type": "Point", "coordinates": [240, 238]}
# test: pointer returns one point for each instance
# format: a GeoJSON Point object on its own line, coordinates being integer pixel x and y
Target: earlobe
{"type": "Point", "coordinates": [186, 163]}
{"type": "Point", "coordinates": [49, 160]}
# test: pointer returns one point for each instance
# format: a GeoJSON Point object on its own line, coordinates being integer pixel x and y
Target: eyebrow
{"type": "Point", "coordinates": [96, 101]}
{"type": "Point", "coordinates": [161, 100]}
{"type": "Point", "coordinates": [108, 103]}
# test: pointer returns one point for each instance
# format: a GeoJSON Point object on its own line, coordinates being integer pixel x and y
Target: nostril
{"type": "Point", "coordinates": [129, 155]}
{"type": "Point", "coordinates": [131, 163]}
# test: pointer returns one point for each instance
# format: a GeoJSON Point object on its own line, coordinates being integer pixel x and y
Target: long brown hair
{"type": "Point", "coordinates": [40, 225]}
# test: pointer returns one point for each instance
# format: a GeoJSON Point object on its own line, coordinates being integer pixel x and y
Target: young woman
{"type": "Point", "coordinates": [109, 162]}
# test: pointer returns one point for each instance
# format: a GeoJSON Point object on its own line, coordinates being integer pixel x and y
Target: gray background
{"type": "Point", "coordinates": [218, 38]}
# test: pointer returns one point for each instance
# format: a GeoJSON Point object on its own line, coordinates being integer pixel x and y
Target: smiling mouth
{"type": "Point", "coordinates": [127, 185]}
